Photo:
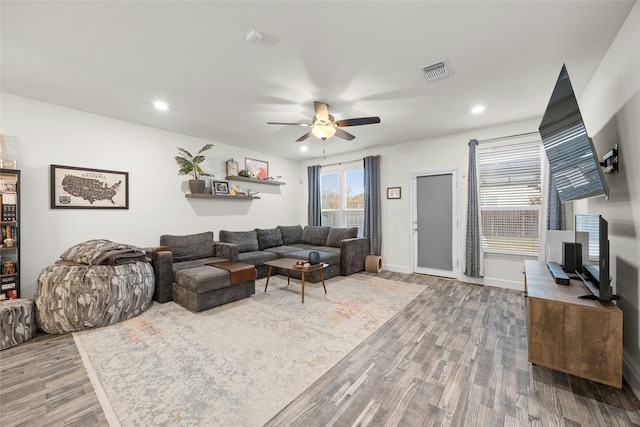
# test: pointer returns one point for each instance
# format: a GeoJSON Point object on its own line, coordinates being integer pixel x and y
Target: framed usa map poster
{"type": "Point", "coordinates": [84, 188]}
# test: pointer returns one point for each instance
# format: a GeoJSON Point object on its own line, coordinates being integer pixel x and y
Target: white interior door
{"type": "Point", "coordinates": [435, 224]}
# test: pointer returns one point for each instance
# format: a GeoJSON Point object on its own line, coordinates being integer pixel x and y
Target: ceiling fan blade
{"type": "Point", "coordinates": [292, 124]}
{"type": "Point", "coordinates": [303, 137]}
{"type": "Point", "coordinates": [322, 110]}
{"type": "Point", "coordinates": [358, 122]}
{"type": "Point", "coordinates": [344, 134]}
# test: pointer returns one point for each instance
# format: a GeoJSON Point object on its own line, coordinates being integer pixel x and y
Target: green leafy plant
{"type": "Point", "coordinates": [190, 164]}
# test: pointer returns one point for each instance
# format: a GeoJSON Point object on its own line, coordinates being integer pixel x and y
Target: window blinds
{"type": "Point", "coordinates": [510, 196]}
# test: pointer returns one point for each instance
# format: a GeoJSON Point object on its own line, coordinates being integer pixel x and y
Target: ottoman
{"type": "Point", "coordinates": [205, 287]}
{"type": "Point", "coordinates": [17, 322]}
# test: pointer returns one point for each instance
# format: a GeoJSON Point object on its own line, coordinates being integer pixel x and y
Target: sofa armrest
{"type": "Point", "coordinates": [227, 251]}
{"type": "Point", "coordinates": [352, 255]}
{"type": "Point", "coordinates": [162, 262]}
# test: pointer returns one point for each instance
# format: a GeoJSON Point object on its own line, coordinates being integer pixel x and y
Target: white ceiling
{"type": "Point", "coordinates": [364, 58]}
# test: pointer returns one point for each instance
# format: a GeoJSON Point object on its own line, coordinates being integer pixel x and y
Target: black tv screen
{"type": "Point", "coordinates": [573, 162]}
{"type": "Point", "coordinates": [597, 278]}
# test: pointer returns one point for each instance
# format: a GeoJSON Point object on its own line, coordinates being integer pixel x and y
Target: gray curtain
{"type": "Point", "coordinates": [473, 256]}
{"type": "Point", "coordinates": [555, 209]}
{"type": "Point", "coordinates": [372, 204]}
{"type": "Point", "coordinates": [315, 208]}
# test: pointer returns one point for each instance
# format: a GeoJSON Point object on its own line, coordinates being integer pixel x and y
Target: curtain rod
{"type": "Point", "coordinates": [508, 137]}
{"type": "Point", "coordinates": [340, 163]}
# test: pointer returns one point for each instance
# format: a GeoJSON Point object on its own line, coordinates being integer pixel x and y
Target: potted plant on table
{"type": "Point", "coordinates": [190, 165]}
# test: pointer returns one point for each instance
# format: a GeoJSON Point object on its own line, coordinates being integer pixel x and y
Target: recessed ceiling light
{"type": "Point", "coordinates": [478, 109]}
{"type": "Point", "coordinates": [303, 148]}
{"type": "Point", "coordinates": [161, 105]}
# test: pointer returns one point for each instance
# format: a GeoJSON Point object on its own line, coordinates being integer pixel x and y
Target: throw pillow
{"type": "Point", "coordinates": [269, 238]}
{"type": "Point", "coordinates": [190, 246]}
{"type": "Point", "coordinates": [247, 241]}
{"type": "Point", "coordinates": [291, 234]}
{"type": "Point", "coordinates": [337, 235]}
{"type": "Point", "coordinates": [315, 235]}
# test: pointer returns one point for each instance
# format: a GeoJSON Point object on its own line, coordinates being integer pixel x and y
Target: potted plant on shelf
{"type": "Point", "coordinates": [190, 165]}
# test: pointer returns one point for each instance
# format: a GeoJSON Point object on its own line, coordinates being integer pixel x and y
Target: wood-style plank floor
{"type": "Point", "coordinates": [456, 355]}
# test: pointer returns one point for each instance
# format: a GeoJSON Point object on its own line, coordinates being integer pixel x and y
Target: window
{"type": "Point", "coordinates": [342, 196]}
{"type": "Point", "coordinates": [510, 197]}
{"type": "Point", "coordinates": [591, 225]}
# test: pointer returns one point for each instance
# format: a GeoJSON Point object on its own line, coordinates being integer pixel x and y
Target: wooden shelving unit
{"type": "Point", "coordinates": [10, 280]}
{"type": "Point", "coordinates": [253, 180]}
{"type": "Point", "coordinates": [219, 196]}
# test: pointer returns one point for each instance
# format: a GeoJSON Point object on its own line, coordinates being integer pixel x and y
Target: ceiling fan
{"type": "Point", "coordinates": [323, 124]}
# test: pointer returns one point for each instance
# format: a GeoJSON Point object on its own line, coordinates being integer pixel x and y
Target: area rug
{"type": "Point", "coordinates": [238, 364]}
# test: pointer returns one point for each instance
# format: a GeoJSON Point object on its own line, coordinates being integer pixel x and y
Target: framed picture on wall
{"type": "Point", "coordinates": [393, 192]}
{"type": "Point", "coordinates": [85, 188]}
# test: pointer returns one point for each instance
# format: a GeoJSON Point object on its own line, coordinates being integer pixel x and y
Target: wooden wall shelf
{"type": "Point", "coordinates": [253, 180]}
{"type": "Point", "coordinates": [219, 196]}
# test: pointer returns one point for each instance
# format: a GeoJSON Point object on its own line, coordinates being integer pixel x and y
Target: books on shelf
{"type": "Point", "coordinates": [8, 200]}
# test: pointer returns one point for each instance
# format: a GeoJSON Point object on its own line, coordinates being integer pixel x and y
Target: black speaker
{"type": "Point", "coordinates": [571, 256]}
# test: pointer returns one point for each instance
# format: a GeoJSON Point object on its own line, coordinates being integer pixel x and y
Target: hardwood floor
{"type": "Point", "coordinates": [43, 383]}
{"type": "Point", "coordinates": [456, 355]}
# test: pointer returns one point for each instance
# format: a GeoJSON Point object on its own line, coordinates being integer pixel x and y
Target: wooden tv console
{"type": "Point", "coordinates": [578, 336]}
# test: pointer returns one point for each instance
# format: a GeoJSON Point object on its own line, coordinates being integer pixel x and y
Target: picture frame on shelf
{"type": "Point", "coordinates": [86, 188]}
{"type": "Point", "coordinates": [258, 169]}
{"type": "Point", "coordinates": [220, 187]}
{"type": "Point", "coordinates": [394, 192]}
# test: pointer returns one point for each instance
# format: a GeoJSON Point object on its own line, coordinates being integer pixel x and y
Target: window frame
{"type": "Point", "coordinates": [541, 207]}
{"type": "Point", "coordinates": [341, 170]}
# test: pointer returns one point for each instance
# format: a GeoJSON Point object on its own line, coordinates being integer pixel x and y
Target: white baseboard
{"type": "Point", "coordinates": [397, 268]}
{"type": "Point", "coordinates": [506, 284]}
{"type": "Point", "coordinates": [631, 374]}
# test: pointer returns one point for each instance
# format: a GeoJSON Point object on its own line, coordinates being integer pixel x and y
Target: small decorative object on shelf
{"type": "Point", "coordinates": [232, 168]}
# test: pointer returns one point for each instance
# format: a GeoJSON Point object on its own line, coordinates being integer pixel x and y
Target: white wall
{"type": "Point", "coordinates": [49, 134]}
{"type": "Point", "coordinates": [399, 163]}
{"type": "Point", "coordinates": [611, 110]}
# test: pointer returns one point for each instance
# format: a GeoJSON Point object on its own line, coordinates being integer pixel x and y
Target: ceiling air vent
{"type": "Point", "coordinates": [436, 71]}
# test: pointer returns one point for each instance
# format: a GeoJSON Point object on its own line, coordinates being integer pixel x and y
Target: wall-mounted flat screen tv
{"type": "Point", "coordinates": [573, 162]}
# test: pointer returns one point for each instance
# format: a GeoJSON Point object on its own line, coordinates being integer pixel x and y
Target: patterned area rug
{"type": "Point", "coordinates": [235, 365]}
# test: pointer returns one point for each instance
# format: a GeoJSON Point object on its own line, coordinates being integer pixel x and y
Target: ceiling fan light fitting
{"type": "Point", "coordinates": [323, 132]}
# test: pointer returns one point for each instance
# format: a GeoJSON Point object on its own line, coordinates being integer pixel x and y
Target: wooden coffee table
{"type": "Point", "coordinates": [288, 264]}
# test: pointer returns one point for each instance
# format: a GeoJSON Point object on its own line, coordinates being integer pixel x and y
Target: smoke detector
{"type": "Point", "coordinates": [436, 71]}
{"type": "Point", "coordinates": [254, 36]}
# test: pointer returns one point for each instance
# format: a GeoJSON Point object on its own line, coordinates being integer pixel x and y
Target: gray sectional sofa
{"type": "Point", "coordinates": [339, 247]}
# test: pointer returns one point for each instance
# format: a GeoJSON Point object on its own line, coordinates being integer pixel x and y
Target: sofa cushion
{"type": "Point", "coordinates": [282, 251]}
{"type": "Point", "coordinates": [269, 238]}
{"type": "Point", "coordinates": [256, 257]}
{"type": "Point", "coordinates": [247, 241]}
{"type": "Point", "coordinates": [337, 235]}
{"type": "Point", "coordinates": [315, 235]}
{"type": "Point", "coordinates": [191, 246]}
{"type": "Point", "coordinates": [291, 234]}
